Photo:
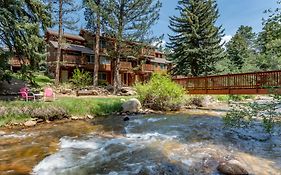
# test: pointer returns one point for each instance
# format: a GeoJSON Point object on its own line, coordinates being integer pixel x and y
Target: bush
{"type": "Point", "coordinates": [160, 93]}
{"type": "Point", "coordinates": [81, 78]}
{"type": "Point", "coordinates": [243, 115]}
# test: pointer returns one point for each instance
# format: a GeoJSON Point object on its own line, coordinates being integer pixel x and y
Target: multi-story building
{"type": "Point", "coordinates": [77, 52]}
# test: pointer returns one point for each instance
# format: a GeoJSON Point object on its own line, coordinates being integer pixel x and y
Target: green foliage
{"type": "Point", "coordinates": [5, 73]}
{"type": "Point", "coordinates": [81, 78]}
{"type": "Point", "coordinates": [20, 26]}
{"type": "Point", "coordinates": [243, 115]}
{"type": "Point", "coordinates": [160, 93]}
{"type": "Point", "coordinates": [196, 43]}
{"type": "Point", "coordinates": [17, 111]}
{"type": "Point", "coordinates": [240, 48]}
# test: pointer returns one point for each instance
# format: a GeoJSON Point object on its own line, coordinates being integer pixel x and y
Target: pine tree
{"type": "Point", "coordinates": [129, 21]}
{"type": "Point", "coordinates": [61, 10]}
{"type": "Point", "coordinates": [269, 41]}
{"type": "Point", "coordinates": [20, 26]}
{"type": "Point", "coordinates": [241, 48]}
{"type": "Point", "coordinates": [196, 43]}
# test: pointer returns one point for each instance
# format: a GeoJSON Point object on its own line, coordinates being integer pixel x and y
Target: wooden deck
{"type": "Point", "coordinates": [246, 83]}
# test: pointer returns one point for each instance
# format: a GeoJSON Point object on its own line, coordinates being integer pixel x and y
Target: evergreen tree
{"type": "Point", "coordinates": [61, 10]}
{"type": "Point", "coordinates": [129, 20]}
{"type": "Point", "coordinates": [196, 43]}
{"type": "Point", "coordinates": [269, 41]}
{"type": "Point", "coordinates": [241, 48]}
{"type": "Point", "coordinates": [21, 22]}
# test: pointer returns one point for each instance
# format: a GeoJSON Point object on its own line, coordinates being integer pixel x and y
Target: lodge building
{"type": "Point", "coordinates": [77, 52]}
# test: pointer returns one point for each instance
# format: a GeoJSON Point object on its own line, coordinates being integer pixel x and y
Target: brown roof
{"type": "Point", "coordinates": [67, 35]}
{"type": "Point", "coordinates": [73, 47]}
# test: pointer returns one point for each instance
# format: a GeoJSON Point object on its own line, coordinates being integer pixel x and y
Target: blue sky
{"type": "Point", "coordinates": [233, 13]}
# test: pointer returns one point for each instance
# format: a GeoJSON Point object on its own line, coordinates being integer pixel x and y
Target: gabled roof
{"type": "Point", "coordinates": [67, 35]}
{"type": "Point", "coordinates": [73, 47]}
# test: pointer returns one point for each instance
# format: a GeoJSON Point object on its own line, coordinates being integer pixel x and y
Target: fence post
{"type": "Point", "coordinates": [228, 83]}
{"type": "Point", "coordinates": [206, 85]}
{"type": "Point", "coordinates": [257, 84]}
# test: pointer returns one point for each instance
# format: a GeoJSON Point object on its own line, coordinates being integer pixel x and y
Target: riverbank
{"type": "Point", "coordinates": [19, 112]}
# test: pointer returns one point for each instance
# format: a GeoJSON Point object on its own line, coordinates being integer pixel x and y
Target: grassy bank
{"type": "Point", "coordinates": [19, 111]}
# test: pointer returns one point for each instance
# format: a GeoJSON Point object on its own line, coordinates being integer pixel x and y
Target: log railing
{"type": "Point", "coordinates": [245, 83]}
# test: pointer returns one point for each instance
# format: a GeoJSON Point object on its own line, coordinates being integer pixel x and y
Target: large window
{"type": "Point", "coordinates": [102, 76]}
{"type": "Point", "coordinates": [162, 66]}
{"type": "Point", "coordinates": [104, 60]}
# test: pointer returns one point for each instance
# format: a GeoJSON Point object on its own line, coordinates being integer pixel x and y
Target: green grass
{"type": "Point", "coordinates": [73, 106]}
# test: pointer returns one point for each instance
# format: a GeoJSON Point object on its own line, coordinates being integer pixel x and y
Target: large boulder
{"type": "Point", "coordinates": [232, 167]}
{"type": "Point", "coordinates": [132, 105]}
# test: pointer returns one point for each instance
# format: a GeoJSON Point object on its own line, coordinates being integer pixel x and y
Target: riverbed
{"type": "Point", "coordinates": [190, 143]}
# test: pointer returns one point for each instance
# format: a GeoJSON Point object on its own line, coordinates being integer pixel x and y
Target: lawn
{"type": "Point", "coordinates": [18, 111]}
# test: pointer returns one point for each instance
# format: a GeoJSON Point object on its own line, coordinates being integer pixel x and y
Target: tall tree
{"type": "Point", "coordinates": [62, 10]}
{"type": "Point", "coordinates": [196, 43]}
{"type": "Point", "coordinates": [269, 41]}
{"type": "Point", "coordinates": [94, 14]}
{"type": "Point", "coordinates": [129, 20]}
{"type": "Point", "coordinates": [241, 48]}
{"type": "Point", "coordinates": [20, 25]}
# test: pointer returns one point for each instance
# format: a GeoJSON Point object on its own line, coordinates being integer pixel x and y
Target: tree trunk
{"type": "Point", "coordinates": [58, 55]}
{"type": "Point", "coordinates": [97, 48]}
{"type": "Point", "coordinates": [116, 71]}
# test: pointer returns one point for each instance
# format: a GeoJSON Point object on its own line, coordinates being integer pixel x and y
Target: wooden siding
{"type": "Point", "coordinates": [246, 83]}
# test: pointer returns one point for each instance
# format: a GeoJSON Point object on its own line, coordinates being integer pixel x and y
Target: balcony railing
{"type": "Point", "coordinates": [147, 68]}
{"type": "Point", "coordinates": [125, 65]}
{"type": "Point", "coordinates": [105, 67]}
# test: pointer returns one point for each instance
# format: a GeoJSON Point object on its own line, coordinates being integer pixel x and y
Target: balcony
{"type": "Point", "coordinates": [125, 65]}
{"type": "Point", "coordinates": [147, 68]}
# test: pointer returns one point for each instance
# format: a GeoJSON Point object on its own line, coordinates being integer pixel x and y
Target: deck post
{"type": "Point", "coordinates": [206, 85]}
{"type": "Point", "coordinates": [228, 83]}
{"type": "Point", "coordinates": [257, 84]}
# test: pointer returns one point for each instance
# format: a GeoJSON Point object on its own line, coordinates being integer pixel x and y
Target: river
{"type": "Point", "coordinates": [173, 144]}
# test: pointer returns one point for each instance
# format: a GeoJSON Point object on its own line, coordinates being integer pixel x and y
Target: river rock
{"type": "Point", "coordinates": [126, 119]}
{"type": "Point", "coordinates": [30, 123]}
{"type": "Point", "coordinates": [232, 167]}
{"type": "Point", "coordinates": [2, 133]}
{"type": "Point", "coordinates": [132, 105]}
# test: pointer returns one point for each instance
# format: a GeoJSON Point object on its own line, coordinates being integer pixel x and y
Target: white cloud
{"type": "Point", "coordinates": [161, 43]}
{"type": "Point", "coordinates": [226, 39]}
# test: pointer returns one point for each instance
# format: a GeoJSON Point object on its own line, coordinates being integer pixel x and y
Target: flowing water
{"type": "Point", "coordinates": [158, 144]}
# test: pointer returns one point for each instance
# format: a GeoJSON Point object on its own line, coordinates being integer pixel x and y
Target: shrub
{"type": "Point", "coordinates": [243, 115]}
{"type": "Point", "coordinates": [81, 78]}
{"type": "Point", "coordinates": [160, 93]}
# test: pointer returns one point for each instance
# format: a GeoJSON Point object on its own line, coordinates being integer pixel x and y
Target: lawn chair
{"type": "Point", "coordinates": [49, 94]}
{"type": "Point", "coordinates": [25, 94]}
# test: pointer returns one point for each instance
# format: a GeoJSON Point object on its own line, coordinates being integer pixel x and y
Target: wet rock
{"type": "Point", "coordinates": [2, 133]}
{"type": "Point", "coordinates": [30, 123]}
{"type": "Point", "coordinates": [90, 117]}
{"type": "Point", "coordinates": [126, 119]}
{"type": "Point", "coordinates": [132, 105]}
{"type": "Point", "coordinates": [232, 167]}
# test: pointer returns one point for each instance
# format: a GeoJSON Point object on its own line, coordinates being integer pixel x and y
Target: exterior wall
{"type": "Point", "coordinates": [131, 70]}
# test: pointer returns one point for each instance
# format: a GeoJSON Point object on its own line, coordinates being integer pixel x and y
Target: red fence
{"type": "Point", "coordinates": [245, 83]}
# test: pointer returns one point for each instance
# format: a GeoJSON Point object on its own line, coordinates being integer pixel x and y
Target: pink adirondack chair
{"type": "Point", "coordinates": [49, 94]}
{"type": "Point", "coordinates": [25, 94]}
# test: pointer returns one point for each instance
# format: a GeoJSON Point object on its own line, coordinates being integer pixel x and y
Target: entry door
{"type": "Point", "coordinates": [125, 79]}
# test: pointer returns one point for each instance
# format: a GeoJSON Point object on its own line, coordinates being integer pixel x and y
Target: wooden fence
{"type": "Point", "coordinates": [245, 83]}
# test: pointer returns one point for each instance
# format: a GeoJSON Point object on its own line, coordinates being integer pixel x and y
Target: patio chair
{"type": "Point", "coordinates": [26, 94]}
{"type": "Point", "coordinates": [49, 94]}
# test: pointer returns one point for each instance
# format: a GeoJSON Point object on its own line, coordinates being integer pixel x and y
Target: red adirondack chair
{"type": "Point", "coordinates": [49, 94]}
{"type": "Point", "coordinates": [25, 94]}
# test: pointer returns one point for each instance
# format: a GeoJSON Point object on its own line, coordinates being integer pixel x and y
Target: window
{"type": "Point", "coordinates": [90, 58]}
{"type": "Point", "coordinates": [102, 44]}
{"type": "Point", "coordinates": [102, 76]}
{"type": "Point", "coordinates": [73, 53]}
{"type": "Point", "coordinates": [104, 60]}
{"type": "Point", "coordinates": [163, 66]}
